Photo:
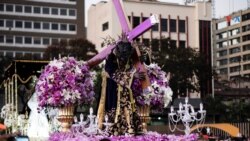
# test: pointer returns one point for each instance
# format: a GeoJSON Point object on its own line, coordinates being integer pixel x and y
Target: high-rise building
{"type": "Point", "coordinates": [27, 27]}
{"type": "Point", "coordinates": [231, 48]}
{"type": "Point", "coordinates": [187, 25]}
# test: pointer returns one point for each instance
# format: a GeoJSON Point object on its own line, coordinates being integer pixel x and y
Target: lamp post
{"type": "Point", "coordinates": [187, 115]}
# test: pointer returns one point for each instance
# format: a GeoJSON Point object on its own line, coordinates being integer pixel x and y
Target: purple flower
{"type": "Point", "coordinates": [65, 82]}
{"type": "Point", "coordinates": [159, 83]}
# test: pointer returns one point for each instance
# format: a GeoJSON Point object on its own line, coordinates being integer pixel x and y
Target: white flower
{"type": "Point", "coordinates": [56, 63]}
{"type": "Point", "coordinates": [78, 70]}
{"type": "Point", "coordinates": [66, 94]}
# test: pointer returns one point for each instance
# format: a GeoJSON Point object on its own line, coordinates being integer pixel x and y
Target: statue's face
{"type": "Point", "coordinates": [124, 51]}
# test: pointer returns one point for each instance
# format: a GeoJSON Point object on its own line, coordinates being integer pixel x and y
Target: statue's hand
{"type": "Point", "coordinates": [140, 75]}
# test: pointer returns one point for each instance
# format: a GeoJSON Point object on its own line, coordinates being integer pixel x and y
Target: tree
{"type": "Point", "coordinates": [186, 66]}
{"type": "Point", "coordinates": [79, 48]}
{"type": "Point", "coordinates": [5, 61]}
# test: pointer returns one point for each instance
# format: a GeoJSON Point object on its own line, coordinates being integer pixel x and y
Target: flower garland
{"type": "Point", "coordinates": [64, 82]}
{"type": "Point", "coordinates": [149, 136]}
{"type": "Point", "coordinates": [161, 93]}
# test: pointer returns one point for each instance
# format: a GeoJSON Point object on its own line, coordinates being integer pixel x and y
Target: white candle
{"type": "Point", "coordinates": [91, 111]}
{"type": "Point", "coordinates": [186, 100]}
{"type": "Point", "coordinates": [75, 119]}
{"type": "Point", "coordinates": [172, 109]}
{"type": "Point", "coordinates": [106, 118]}
{"type": "Point", "coordinates": [180, 107]}
{"type": "Point", "coordinates": [201, 106]}
{"type": "Point", "coordinates": [81, 117]}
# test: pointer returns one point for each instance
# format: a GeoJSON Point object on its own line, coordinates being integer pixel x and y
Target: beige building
{"type": "Point", "coordinates": [186, 25]}
{"type": "Point", "coordinates": [179, 22]}
{"type": "Point", "coordinates": [232, 48]}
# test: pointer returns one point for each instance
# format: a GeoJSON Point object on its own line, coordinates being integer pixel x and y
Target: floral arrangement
{"type": "Point", "coordinates": [160, 94]}
{"type": "Point", "coordinates": [65, 82]}
{"type": "Point", "coordinates": [149, 136]}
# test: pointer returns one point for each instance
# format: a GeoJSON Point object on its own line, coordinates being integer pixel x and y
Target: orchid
{"type": "Point", "coordinates": [65, 82]}
{"type": "Point", "coordinates": [160, 94]}
{"type": "Point", "coordinates": [149, 136]}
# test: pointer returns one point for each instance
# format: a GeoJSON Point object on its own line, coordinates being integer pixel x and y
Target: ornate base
{"type": "Point", "coordinates": [66, 117]}
{"type": "Point", "coordinates": [144, 112]}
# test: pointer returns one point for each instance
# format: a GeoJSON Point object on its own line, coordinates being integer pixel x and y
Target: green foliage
{"type": "Point", "coordinates": [79, 48]}
{"type": "Point", "coordinates": [187, 66]}
{"type": "Point", "coordinates": [4, 62]}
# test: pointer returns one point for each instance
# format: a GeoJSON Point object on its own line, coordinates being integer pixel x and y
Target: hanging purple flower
{"type": "Point", "coordinates": [161, 93]}
{"type": "Point", "coordinates": [65, 82]}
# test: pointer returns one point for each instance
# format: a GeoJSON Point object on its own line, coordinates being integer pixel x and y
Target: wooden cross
{"type": "Point", "coordinates": [131, 35]}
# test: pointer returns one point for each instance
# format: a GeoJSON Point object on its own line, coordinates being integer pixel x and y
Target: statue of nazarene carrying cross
{"type": "Point", "coordinates": [123, 63]}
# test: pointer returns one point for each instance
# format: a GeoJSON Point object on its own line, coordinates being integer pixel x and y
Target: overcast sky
{"type": "Point", "coordinates": [222, 7]}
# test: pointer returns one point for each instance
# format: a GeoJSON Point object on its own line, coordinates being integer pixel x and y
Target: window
{"type": "Point", "coordinates": [54, 11]}
{"type": "Point", "coordinates": [246, 47]}
{"type": "Point", "coordinates": [28, 40]}
{"type": "Point", "coordinates": [155, 27]}
{"type": "Point", "coordinates": [54, 40]}
{"type": "Point", "coordinates": [222, 53]}
{"type": "Point", "coordinates": [45, 10]}
{"type": "Point", "coordinates": [9, 39]}
{"type": "Point", "coordinates": [37, 41]}
{"type": "Point", "coordinates": [182, 26]}
{"type": "Point", "coordinates": [235, 69]}
{"type": "Point", "coordinates": [27, 25]}
{"type": "Point", "coordinates": [246, 57]}
{"type": "Point", "coordinates": [223, 62]}
{"type": "Point", "coordinates": [9, 23]}
{"type": "Point", "coordinates": [19, 8]}
{"type": "Point", "coordinates": [63, 12]}
{"type": "Point", "coordinates": [19, 55]}
{"type": "Point", "coordinates": [136, 21]}
{"type": "Point", "coordinates": [27, 9]}
{"type": "Point", "coordinates": [19, 39]}
{"type": "Point", "coordinates": [144, 19]}
{"type": "Point", "coordinates": [54, 26]}
{"type": "Point", "coordinates": [223, 71]}
{"type": "Point", "coordinates": [1, 23]}
{"type": "Point", "coordinates": [19, 24]}
{"type": "Point", "coordinates": [46, 41]}
{"type": "Point", "coordinates": [37, 10]}
{"type": "Point", "coordinates": [245, 17]}
{"type": "Point", "coordinates": [246, 38]}
{"type": "Point", "coordinates": [182, 44]}
{"type": "Point", "coordinates": [46, 26]}
{"type": "Point", "coordinates": [246, 28]}
{"type": "Point", "coordinates": [9, 8]}
{"type": "Point", "coordinates": [1, 7]}
{"type": "Point", "coordinates": [172, 25]}
{"type": "Point", "coordinates": [164, 25]}
{"type": "Point", "coordinates": [72, 27]}
{"type": "Point", "coordinates": [246, 67]}
{"type": "Point", "coordinates": [235, 59]}
{"type": "Point", "coordinates": [1, 38]}
{"type": "Point", "coordinates": [63, 27]}
{"type": "Point", "coordinates": [72, 12]}
{"type": "Point", "coordinates": [234, 50]}
{"type": "Point", "coordinates": [105, 26]}
{"type": "Point", "coordinates": [172, 43]}
{"type": "Point", "coordinates": [37, 25]}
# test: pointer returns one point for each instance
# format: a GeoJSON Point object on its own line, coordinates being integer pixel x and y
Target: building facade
{"type": "Point", "coordinates": [231, 45]}
{"type": "Point", "coordinates": [27, 27]}
{"type": "Point", "coordinates": [185, 25]}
